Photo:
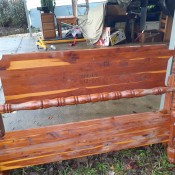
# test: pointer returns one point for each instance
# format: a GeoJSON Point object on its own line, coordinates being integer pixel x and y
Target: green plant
{"type": "Point", "coordinates": [118, 167]}
{"type": "Point", "coordinates": [64, 171]}
{"type": "Point", "coordinates": [85, 171]}
{"type": "Point", "coordinates": [5, 16]}
{"type": "Point", "coordinates": [18, 14]}
{"type": "Point", "coordinates": [12, 13]}
{"type": "Point", "coordinates": [102, 168]}
{"type": "Point", "coordinates": [49, 3]}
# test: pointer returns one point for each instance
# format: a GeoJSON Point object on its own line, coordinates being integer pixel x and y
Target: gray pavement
{"type": "Point", "coordinates": [19, 44]}
{"type": "Point", "coordinates": [30, 119]}
{"type": "Point", "coordinates": [9, 45]}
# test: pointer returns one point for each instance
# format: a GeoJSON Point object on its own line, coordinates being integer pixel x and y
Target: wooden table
{"type": "Point", "coordinates": [66, 19]}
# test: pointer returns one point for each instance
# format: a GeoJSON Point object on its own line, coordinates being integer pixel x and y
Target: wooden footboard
{"type": "Point", "coordinates": [43, 80]}
{"type": "Point", "coordinates": [54, 143]}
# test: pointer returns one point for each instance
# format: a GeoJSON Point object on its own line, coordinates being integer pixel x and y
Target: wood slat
{"type": "Point", "coordinates": [77, 76]}
{"type": "Point", "coordinates": [133, 52]}
{"type": "Point", "coordinates": [147, 79]}
{"type": "Point", "coordinates": [73, 140]}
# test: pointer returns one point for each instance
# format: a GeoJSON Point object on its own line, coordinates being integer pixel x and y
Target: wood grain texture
{"type": "Point", "coordinates": [2, 129]}
{"type": "Point", "coordinates": [82, 99]}
{"type": "Point", "coordinates": [39, 76]}
{"type": "Point", "coordinates": [171, 145]}
{"type": "Point", "coordinates": [77, 77]}
{"type": "Point", "coordinates": [168, 96]}
{"type": "Point", "coordinates": [54, 143]}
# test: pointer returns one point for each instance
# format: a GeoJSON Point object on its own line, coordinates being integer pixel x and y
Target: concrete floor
{"type": "Point", "coordinates": [30, 119]}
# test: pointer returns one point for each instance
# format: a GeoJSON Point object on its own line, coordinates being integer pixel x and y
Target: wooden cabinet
{"type": "Point", "coordinates": [48, 25]}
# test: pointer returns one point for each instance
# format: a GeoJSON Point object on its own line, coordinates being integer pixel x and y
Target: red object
{"type": "Point", "coordinates": [139, 36]}
{"type": "Point", "coordinates": [74, 43]}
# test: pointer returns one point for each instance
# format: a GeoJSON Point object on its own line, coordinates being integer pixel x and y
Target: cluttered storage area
{"type": "Point", "coordinates": [110, 23]}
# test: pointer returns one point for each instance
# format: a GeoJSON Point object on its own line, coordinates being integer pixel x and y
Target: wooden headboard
{"type": "Point", "coordinates": [37, 76]}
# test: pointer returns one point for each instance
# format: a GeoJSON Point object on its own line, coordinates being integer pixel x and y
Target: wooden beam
{"type": "Point", "coordinates": [73, 140]}
{"type": "Point", "coordinates": [82, 99]}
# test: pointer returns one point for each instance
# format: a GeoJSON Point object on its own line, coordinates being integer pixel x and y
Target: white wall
{"type": "Point", "coordinates": [33, 4]}
{"type": "Point", "coordinates": [68, 2]}
{"type": "Point", "coordinates": [36, 3]}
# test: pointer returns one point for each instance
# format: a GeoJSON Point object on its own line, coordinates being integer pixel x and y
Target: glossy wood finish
{"type": "Point", "coordinates": [171, 146]}
{"type": "Point", "coordinates": [82, 99]}
{"type": "Point", "coordinates": [2, 129]}
{"type": "Point", "coordinates": [54, 143]}
{"type": "Point", "coordinates": [168, 96]}
{"type": "Point", "coordinates": [83, 76]}
{"type": "Point", "coordinates": [39, 76]}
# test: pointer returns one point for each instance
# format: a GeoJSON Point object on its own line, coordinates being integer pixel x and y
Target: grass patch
{"type": "Point", "coordinates": [149, 160]}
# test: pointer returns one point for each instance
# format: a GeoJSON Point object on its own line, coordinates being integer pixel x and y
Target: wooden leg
{"type": "Point", "coordinates": [2, 129]}
{"type": "Point", "coordinates": [5, 173]}
{"type": "Point", "coordinates": [171, 146]}
{"type": "Point", "coordinates": [171, 154]}
{"type": "Point", "coordinates": [170, 106]}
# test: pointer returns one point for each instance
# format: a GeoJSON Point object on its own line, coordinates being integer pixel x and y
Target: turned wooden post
{"type": "Point", "coordinates": [82, 99]}
{"type": "Point", "coordinates": [2, 129]}
{"type": "Point", "coordinates": [171, 145]}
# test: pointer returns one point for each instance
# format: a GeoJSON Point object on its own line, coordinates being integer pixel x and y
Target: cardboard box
{"type": "Point", "coordinates": [117, 37]}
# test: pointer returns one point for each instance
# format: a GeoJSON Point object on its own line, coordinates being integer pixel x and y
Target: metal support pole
{"type": "Point", "coordinates": [172, 39]}
{"type": "Point", "coordinates": [87, 6]}
{"type": "Point", "coordinates": [74, 7]}
{"type": "Point", "coordinates": [143, 16]}
{"type": "Point", "coordinates": [27, 16]}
